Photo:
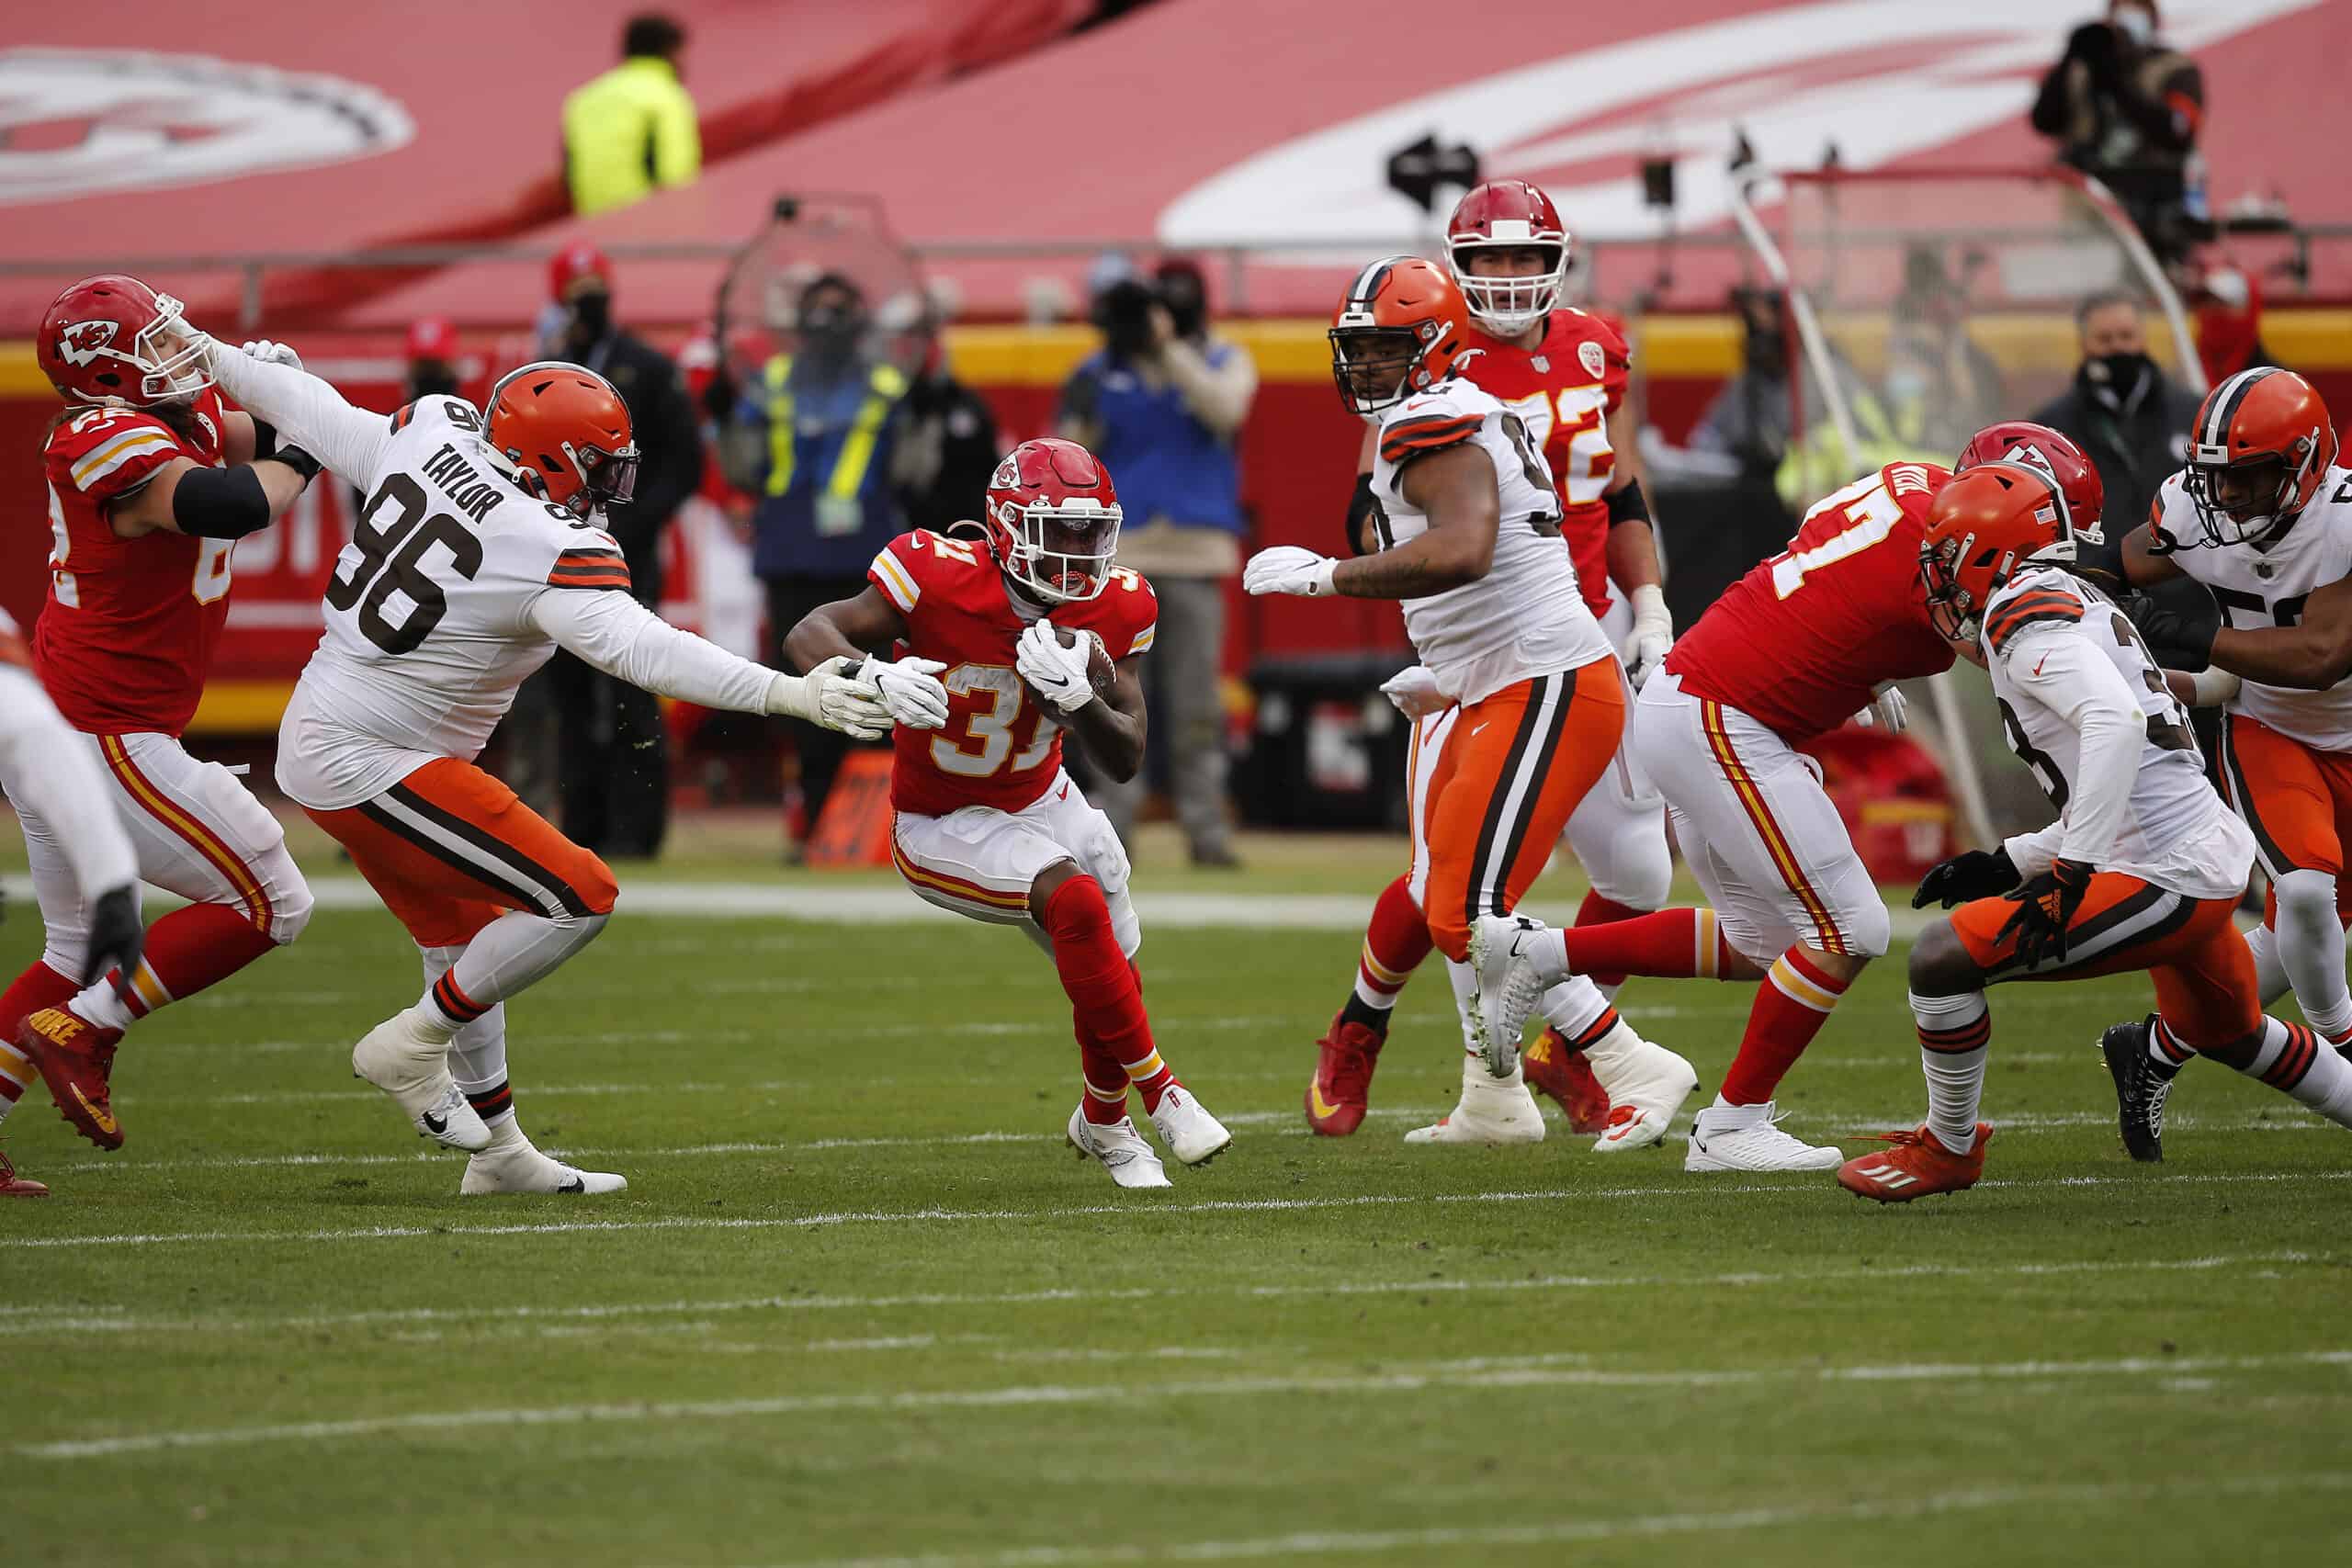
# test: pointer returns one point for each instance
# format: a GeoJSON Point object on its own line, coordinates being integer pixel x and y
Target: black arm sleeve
{"type": "Point", "coordinates": [1627, 504]}
{"type": "Point", "coordinates": [1360, 505]}
{"type": "Point", "coordinates": [220, 504]}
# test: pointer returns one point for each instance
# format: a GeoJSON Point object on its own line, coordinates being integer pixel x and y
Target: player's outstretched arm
{"type": "Point", "coordinates": [2311, 656]}
{"type": "Point", "coordinates": [862, 630]}
{"type": "Point", "coordinates": [185, 497]}
{"type": "Point", "coordinates": [625, 640]}
{"type": "Point", "coordinates": [302, 409]}
{"type": "Point", "coordinates": [2144, 565]}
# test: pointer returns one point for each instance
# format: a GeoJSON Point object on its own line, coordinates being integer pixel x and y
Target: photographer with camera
{"type": "Point", "coordinates": [1162, 403]}
{"type": "Point", "coordinates": [2127, 107]}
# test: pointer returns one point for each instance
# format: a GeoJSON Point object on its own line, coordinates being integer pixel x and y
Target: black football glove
{"type": "Point", "coordinates": [117, 935]}
{"type": "Point", "coordinates": [2046, 906]}
{"type": "Point", "coordinates": [1979, 874]}
{"type": "Point", "coordinates": [2180, 630]}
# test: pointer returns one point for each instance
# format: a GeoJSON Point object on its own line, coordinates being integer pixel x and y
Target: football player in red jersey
{"type": "Point", "coordinates": [1845, 615]}
{"type": "Point", "coordinates": [153, 479]}
{"type": "Point", "coordinates": [988, 823]}
{"type": "Point", "coordinates": [1562, 372]}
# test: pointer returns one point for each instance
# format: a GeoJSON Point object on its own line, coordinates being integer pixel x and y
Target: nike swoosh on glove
{"type": "Point", "coordinates": [1059, 673]}
{"type": "Point", "coordinates": [1287, 569]}
{"type": "Point", "coordinates": [1415, 692]}
{"type": "Point", "coordinates": [909, 690]}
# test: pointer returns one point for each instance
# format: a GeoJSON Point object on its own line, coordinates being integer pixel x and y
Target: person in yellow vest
{"type": "Point", "coordinates": [632, 130]}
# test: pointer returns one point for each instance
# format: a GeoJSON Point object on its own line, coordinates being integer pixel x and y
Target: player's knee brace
{"type": "Point", "coordinates": [2307, 900]}
{"type": "Point", "coordinates": [290, 911]}
{"type": "Point", "coordinates": [1102, 856]}
{"type": "Point", "coordinates": [1869, 932]}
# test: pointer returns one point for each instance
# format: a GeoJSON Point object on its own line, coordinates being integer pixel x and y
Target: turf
{"type": "Point", "coordinates": [859, 1303]}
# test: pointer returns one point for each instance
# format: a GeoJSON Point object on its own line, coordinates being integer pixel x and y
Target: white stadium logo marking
{"type": "Point", "coordinates": [82, 121]}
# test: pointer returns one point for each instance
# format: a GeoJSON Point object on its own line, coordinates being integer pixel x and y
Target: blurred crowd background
{"type": "Point", "coordinates": [839, 257]}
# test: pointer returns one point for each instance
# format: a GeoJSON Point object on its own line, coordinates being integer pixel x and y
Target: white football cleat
{"type": "Point", "coordinates": [1120, 1148]}
{"type": "Point", "coordinates": [1743, 1137]}
{"type": "Point", "coordinates": [414, 1070]}
{"type": "Point", "coordinates": [1491, 1111]}
{"type": "Point", "coordinates": [1646, 1085]}
{"type": "Point", "coordinates": [513, 1164]}
{"type": "Point", "coordinates": [1190, 1132]}
{"type": "Point", "coordinates": [1509, 988]}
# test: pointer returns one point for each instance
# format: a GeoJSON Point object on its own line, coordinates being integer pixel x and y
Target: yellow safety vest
{"type": "Point", "coordinates": [884, 386]}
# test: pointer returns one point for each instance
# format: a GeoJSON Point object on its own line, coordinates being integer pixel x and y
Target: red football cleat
{"type": "Point", "coordinates": [75, 1056]}
{"type": "Point", "coordinates": [1341, 1088]}
{"type": "Point", "coordinates": [1554, 1070]}
{"type": "Point", "coordinates": [14, 1186]}
{"type": "Point", "coordinates": [1917, 1167]}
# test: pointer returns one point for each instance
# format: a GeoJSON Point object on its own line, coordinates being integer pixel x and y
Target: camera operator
{"type": "Point", "coordinates": [1162, 404]}
{"type": "Point", "coordinates": [2127, 107]}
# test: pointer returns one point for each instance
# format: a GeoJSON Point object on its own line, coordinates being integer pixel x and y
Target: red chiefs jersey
{"type": "Point", "coordinates": [127, 637]}
{"type": "Point", "coordinates": [998, 747]}
{"type": "Point", "coordinates": [1564, 389]}
{"type": "Point", "coordinates": [1798, 643]}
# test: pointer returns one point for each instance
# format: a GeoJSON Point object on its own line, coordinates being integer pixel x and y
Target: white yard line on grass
{"type": "Point", "coordinates": [36, 1319]}
{"type": "Point", "coordinates": [1575, 1532]}
{"type": "Point", "coordinates": [1439, 1376]}
{"type": "Point", "coordinates": [1810, 1188]}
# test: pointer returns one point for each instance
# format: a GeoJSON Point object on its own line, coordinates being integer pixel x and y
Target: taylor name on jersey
{"type": "Point", "coordinates": [1526, 617]}
{"type": "Point", "coordinates": [2264, 584]}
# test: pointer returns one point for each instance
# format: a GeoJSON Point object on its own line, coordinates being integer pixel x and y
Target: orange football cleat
{"type": "Point", "coordinates": [1554, 1069]}
{"type": "Point", "coordinates": [1919, 1165]}
{"type": "Point", "coordinates": [14, 1186]}
{"type": "Point", "coordinates": [1342, 1088]}
{"type": "Point", "coordinates": [75, 1057]}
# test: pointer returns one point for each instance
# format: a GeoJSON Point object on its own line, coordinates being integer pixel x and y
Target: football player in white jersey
{"type": "Point", "coordinates": [477, 553]}
{"type": "Point", "coordinates": [1468, 520]}
{"type": "Point", "coordinates": [59, 782]}
{"type": "Point", "coordinates": [2262, 516]}
{"type": "Point", "coordinates": [2143, 869]}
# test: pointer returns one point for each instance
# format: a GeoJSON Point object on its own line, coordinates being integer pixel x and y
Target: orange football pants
{"type": "Point", "coordinates": [2190, 948]}
{"type": "Point", "coordinates": [1514, 767]}
{"type": "Point", "coordinates": [449, 849]}
{"type": "Point", "coordinates": [2297, 799]}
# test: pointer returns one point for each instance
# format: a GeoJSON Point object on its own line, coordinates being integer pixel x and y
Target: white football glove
{"type": "Point", "coordinates": [1059, 673]}
{"type": "Point", "coordinates": [1890, 710]}
{"type": "Point", "coordinates": [1287, 569]}
{"type": "Point", "coordinates": [270, 353]}
{"type": "Point", "coordinates": [1653, 634]}
{"type": "Point", "coordinates": [1415, 692]}
{"type": "Point", "coordinates": [833, 695]}
{"type": "Point", "coordinates": [909, 689]}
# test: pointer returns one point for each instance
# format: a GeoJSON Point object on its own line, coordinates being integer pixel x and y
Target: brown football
{"type": "Point", "coordinates": [1098, 661]}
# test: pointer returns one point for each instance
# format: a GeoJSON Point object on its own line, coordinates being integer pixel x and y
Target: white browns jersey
{"type": "Point", "coordinates": [428, 623]}
{"type": "Point", "coordinates": [1526, 617]}
{"type": "Point", "coordinates": [2265, 585]}
{"type": "Point", "coordinates": [2050, 641]}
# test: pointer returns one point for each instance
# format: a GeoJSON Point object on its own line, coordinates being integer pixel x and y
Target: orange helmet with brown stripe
{"type": "Point", "coordinates": [1402, 328]}
{"type": "Point", "coordinates": [1984, 527]}
{"type": "Point", "coordinates": [567, 434]}
{"type": "Point", "coordinates": [2260, 447]}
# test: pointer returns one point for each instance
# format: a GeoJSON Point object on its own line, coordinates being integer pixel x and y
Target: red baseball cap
{"type": "Point", "coordinates": [575, 264]}
{"type": "Point", "coordinates": [432, 337]}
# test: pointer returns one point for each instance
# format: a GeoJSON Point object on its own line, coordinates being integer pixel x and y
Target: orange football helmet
{"type": "Point", "coordinates": [2260, 447]}
{"type": "Point", "coordinates": [1984, 526]}
{"type": "Point", "coordinates": [1402, 329]}
{"type": "Point", "coordinates": [567, 434]}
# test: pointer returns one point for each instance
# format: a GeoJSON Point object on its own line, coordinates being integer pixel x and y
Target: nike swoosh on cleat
{"type": "Point", "coordinates": [102, 1120]}
{"type": "Point", "coordinates": [1322, 1106]}
{"type": "Point", "coordinates": [436, 1125]}
{"type": "Point", "coordinates": [577, 1184]}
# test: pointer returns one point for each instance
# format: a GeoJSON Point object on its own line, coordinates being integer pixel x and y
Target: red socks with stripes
{"type": "Point", "coordinates": [38, 986]}
{"type": "Point", "coordinates": [1596, 911]}
{"type": "Point", "coordinates": [1791, 1006]}
{"type": "Point", "coordinates": [1394, 942]}
{"type": "Point", "coordinates": [1675, 944]}
{"type": "Point", "coordinates": [1114, 1034]}
{"type": "Point", "coordinates": [187, 950]}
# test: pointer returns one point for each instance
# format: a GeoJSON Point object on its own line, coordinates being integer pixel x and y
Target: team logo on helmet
{"type": "Point", "coordinates": [1589, 355]}
{"type": "Point", "coordinates": [81, 343]}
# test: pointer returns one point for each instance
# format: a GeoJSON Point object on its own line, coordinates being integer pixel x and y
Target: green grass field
{"type": "Point", "coordinates": [860, 1305]}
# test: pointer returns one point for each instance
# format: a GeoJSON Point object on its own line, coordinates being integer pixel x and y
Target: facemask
{"type": "Point", "coordinates": [2118, 374]}
{"type": "Point", "coordinates": [592, 314]}
{"type": "Point", "coordinates": [2136, 26]}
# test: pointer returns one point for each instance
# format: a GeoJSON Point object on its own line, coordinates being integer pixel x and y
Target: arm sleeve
{"type": "Point", "coordinates": [2060, 668]}
{"type": "Point", "coordinates": [307, 411]}
{"type": "Point", "coordinates": [50, 771]}
{"type": "Point", "coordinates": [623, 638]}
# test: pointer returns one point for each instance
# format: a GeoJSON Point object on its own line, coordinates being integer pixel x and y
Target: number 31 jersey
{"type": "Point", "coordinates": [428, 624]}
{"type": "Point", "coordinates": [1526, 617]}
{"type": "Point", "coordinates": [999, 746]}
{"type": "Point", "coordinates": [1798, 643]}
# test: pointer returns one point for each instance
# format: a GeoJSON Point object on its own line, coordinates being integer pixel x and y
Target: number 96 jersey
{"type": "Point", "coordinates": [429, 628]}
{"type": "Point", "coordinates": [1001, 747]}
